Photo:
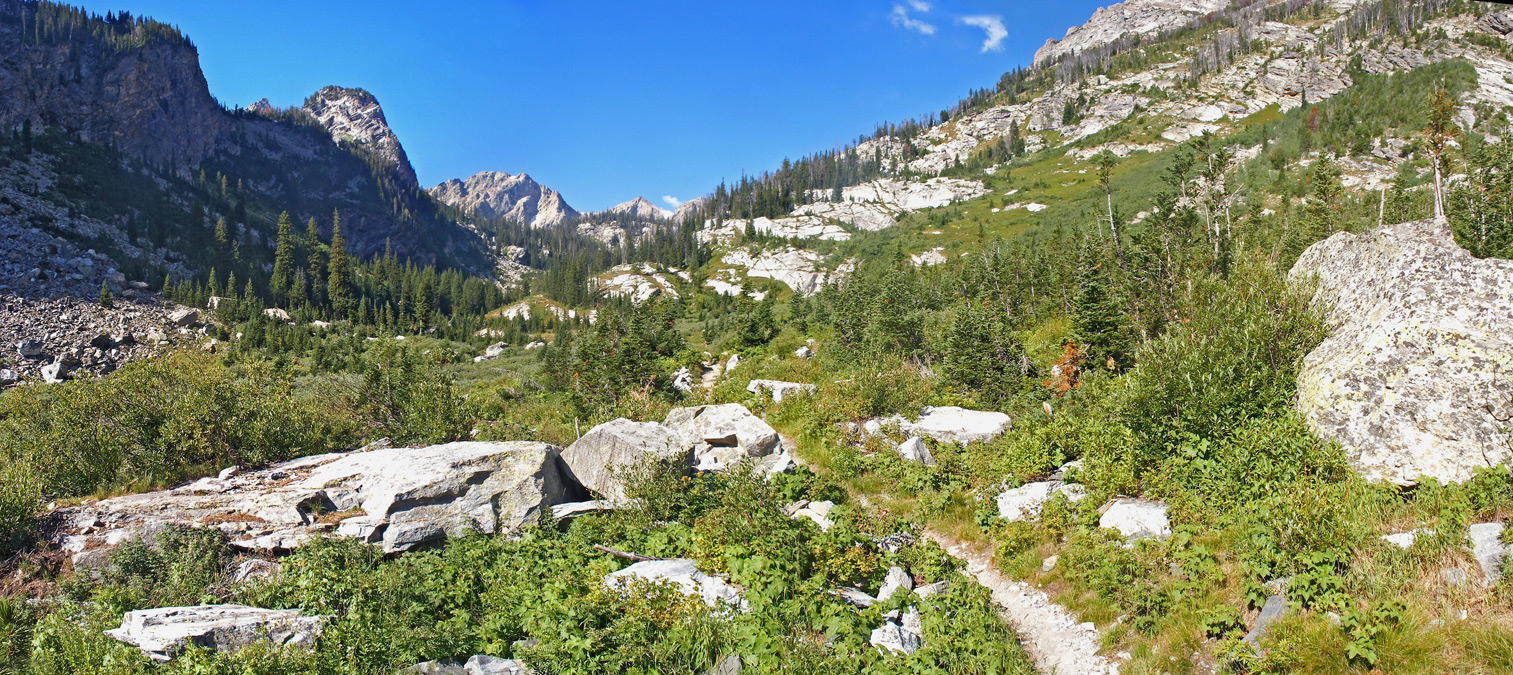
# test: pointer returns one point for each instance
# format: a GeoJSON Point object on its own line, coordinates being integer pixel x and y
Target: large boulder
{"type": "Point", "coordinates": [723, 435]}
{"type": "Point", "coordinates": [399, 498]}
{"type": "Point", "coordinates": [1026, 501]}
{"type": "Point", "coordinates": [1136, 519]}
{"type": "Point", "coordinates": [162, 633]}
{"type": "Point", "coordinates": [598, 459]}
{"type": "Point", "coordinates": [685, 577]}
{"type": "Point", "coordinates": [1416, 379]}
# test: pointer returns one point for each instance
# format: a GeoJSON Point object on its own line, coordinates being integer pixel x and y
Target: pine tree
{"type": "Point", "coordinates": [1441, 131]}
{"type": "Point", "coordinates": [282, 282]}
{"type": "Point", "coordinates": [314, 263]}
{"type": "Point", "coordinates": [339, 288]}
{"type": "Point", "coordinates": [1098, 316]}
{"type": "Point", "coordinates": [106, 299]}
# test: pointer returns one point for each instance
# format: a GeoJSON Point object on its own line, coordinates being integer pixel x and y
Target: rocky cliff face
{"type": "Point", "coordinates": [1132, 17]}
{"type": "Point", "coordinates": [354, 117]}
{"type": "Point", "coordinates": [495, 194]}
{"type": "Point", "coordinates": [149, 101]}
{"type": "Point", "coordinates": [1417, 379]}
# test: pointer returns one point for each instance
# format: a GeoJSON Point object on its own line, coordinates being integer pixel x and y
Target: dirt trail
{"type": "Point", "coordinates": [1049, 632]}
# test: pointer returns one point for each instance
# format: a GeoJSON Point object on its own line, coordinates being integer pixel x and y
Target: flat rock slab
{"type": "Point", "coordinates": [162, 633]}
{"type": "Point", "coordinates": [1488, 549]}
{"type": "Point", "coordinates": [684, 576]}
{"type": "Point", "coordinates": [950, 424]}
{"type": "Point", "coordinates": [1273, 611]}
{"type": "Point", "coordinates": [1414, 381]}
{"type": "Point", "coordinates": [476, 665]}
{"type": "Point", "coordinates": [399, 498]}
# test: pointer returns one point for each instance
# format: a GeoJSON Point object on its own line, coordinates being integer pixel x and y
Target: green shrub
{"type": "Point", "coordinates": [406, 394]}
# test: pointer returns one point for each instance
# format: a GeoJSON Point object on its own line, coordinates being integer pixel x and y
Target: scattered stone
{"type": "Point", "coordinates": [684, 575]}
{"type": "Point", "coordinates": [1273, 611]}
{"type": "Point", "coordinates": [895, 634]}
{"type": "Point", "coordinates": [819, 512]}
{"type": "Point", "coordinates": [896, 580]}
{"type": "Point", "coordinates": [1026, 501]}
{"type": "Point", "coordinates": [1403, 540]}
{"type": "Point", "coordinates": [53, 373]}
{"type": "Point", "coordinates": [936, 588]}
{"type": "Point", "coordinates": [476, 665]}
{"type": "Point", "coordinates": [804, 352]}
{"type": "Point", "coordinates": [254, 569]}
{"type": "Point", "coordinates": [1454, 576]}
{"type": "Point", "coordinates": [277, 314]}
{"type": "Point", "coordinates": [599, 459]}
{"type": "Point", "coordinates": [915, 450]}
{"type": "Point", "coordinates": [1488, 549]}
{"type": "Point", "coordinates": [1136, 518]}
{"type": "Point", "coordinates": [1049, 563]}
{"type": "Point", "coordinates": [572, 510]}
{"type": "Point", "coordinates": [162, 633]}
{"type": "Point", "coordinates": [731, 665]}
{"type": "Point", "coordinates": [30, 348]}
{"type": "Point", "coordinates": [855, 596]}
{"type": "Point", "coordinates": [779, 389]}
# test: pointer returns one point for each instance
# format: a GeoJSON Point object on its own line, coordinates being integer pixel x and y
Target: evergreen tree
{"type": "Point", "coordinates": [106, 299]}
{"type": "Point", "coordinates": [282, 282]}
{"type": "Point", "coordinates": [339, 288]}
{"type": "Point", "coordinates": [314, 263]}
{"type": "Point", "coordinates": [1098, 315]}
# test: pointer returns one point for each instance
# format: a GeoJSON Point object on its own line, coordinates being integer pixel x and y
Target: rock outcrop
{"type": "Point", "coordinates": [398, 498]}
{"type": "Point", "coordinates": [518, 197]}
{"type": "Point", "coordinates": [639, 208]}
{"type": "Point", "coordinates": [780, 390]}
{"type": "Point", "coordinates": [948, 424]}
{"type": "Point", "coordinates": [1131, 17]}
{"type": "Point", "coordinates": [683, 575]}
{"type": "Point", "coordinates": [723, 435]}
{"type": "Point", "coordinates": [353, 116]}
{"type": "Point", "coordinates": [162, 633]}
{"type": "Point", "coordinates": [1416, 379]}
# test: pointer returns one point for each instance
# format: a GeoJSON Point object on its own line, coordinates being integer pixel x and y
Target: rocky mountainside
{"type": "Point", "coordinates": [517, 197]}
{"type": "Point", "coordinates": [135, 88]}
{"type": "Point", "coordinates": [354, 116]}
{"type": "Point", "coordinates": [1132, 18]}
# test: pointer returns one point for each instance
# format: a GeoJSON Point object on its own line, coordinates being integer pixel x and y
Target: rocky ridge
{"type": "Point", "coordinates": [517, 197]}
{"type": "Point", "coordinates": [354, 116]}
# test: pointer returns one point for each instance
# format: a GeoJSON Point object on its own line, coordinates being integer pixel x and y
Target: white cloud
{"type": "Point", "coordinates": [993, 24]}
{"type": "Point", "coordinates": [901, 18]}
{"type": "Point", "coordinates": [672, 202]}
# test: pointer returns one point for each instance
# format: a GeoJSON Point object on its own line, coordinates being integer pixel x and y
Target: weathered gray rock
{"type": "Point", "coordinates": [1136, 518]}
{"type": "Point", "coordinates": [896, 580]}
{"type": "Point", "coordinates": [184, 317]}
{"type": "Point", "coordinates": [30, 348]}
{"type": "Point", "coordinates": [936, 588]}
{"type": "Point", "coordinates": [255, 569]}
{"type": "Point", "coordinates": [915, 450]}
{"type": "Point", "coordinates": [683, 575]}
{"type": "Point", "coordinates": [1273, 611]}
{"type": "Point", "coordinates": [494, 194]}
{"type": "Point", "coordinates": [723, 435]}
{"type": "Point", "coordinates": [277, 314]}
{"type": "Point", "coordinates": [818, 512]}
{"type": "Point", "coordinates": [162, 633]}
{"type": "Point", "coordinates": [855, 596]}
{"type": "Point", "coordinates": [804, 352]}
{"type": "Point", "coordinates": [54, 373]}
{"type": "Point", "coordinates": [779, 389]}
{"type": "Point", "coordinates": [1488, 549]}
{"type": "Point", "coordinates": [1025, 501]}
{"type": "Point", "coordinates": [575, 509]}
{"type": "Point", "coordinates": [731, 665]}
{"type": "Point", "coordinates": [1415, 379]}
{"type": "Point", "coordinates": [398, 498]}
{"type": "Point", "coordinates": [599, 459]}
{"type": "Point", "coordinates": [900, 632]}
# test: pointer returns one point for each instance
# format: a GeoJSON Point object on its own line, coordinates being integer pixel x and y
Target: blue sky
{"type": "Point", "coordinates": [605, 101]}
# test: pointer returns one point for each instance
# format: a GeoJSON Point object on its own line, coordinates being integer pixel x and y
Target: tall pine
{"type": "Point", "coordinates": [282, 282]}
{"type": "Point", "coordinates": [339, 287]}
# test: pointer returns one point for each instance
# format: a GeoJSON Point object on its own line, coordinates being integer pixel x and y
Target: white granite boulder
{"type": "Point", "coordinates": [1414, 380]}
{"type": "Point", "coordinates": [723, 435]}
{"type": "Point", "coordinates": [1026, 501]}
{"type": "Point", "coordinates": [950, 424]}
{"type": "Point", "coordinates": [915, 450]}
{"type": "Point", "coordinates": [599, 459]}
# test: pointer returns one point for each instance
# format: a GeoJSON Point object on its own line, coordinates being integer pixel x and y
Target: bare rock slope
{"type": "Point", "coordinates": [1417, 378]}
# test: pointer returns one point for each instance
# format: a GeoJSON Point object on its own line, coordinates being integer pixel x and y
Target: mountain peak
{"type": "Point", "coordinates": [1131, 17]}
{"type": "Point", "coordinates": [640, 207]}
{"type": "Point", "coordinates": [354, 116]}
{"type": "Point", "coordinates": [497, 194]}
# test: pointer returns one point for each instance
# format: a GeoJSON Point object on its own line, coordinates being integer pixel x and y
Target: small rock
{"type": "Point", "coordinates": [779, 389]}
{"type": "Point", "coordinates": [1274, 609]}
{"type": "Point", "coordinates": [896, 580]}
{"type": "Point", "coordinates": [1454, 576]}
{"type": "Point", "coordinates": [1488, 549]}
{"type": "Point", "coordinates": [1049, 563]}
{"type": "Point", "coordinates": [1137, 518]}
{"type": "Point", "coordinates": [804, 352]}
{"type": "Point", "coordinates": [53, 373]}
{"type": "Point", "coordinates": [254, 569]}
{"type": "Point", "coordinates": [162, 633]}
{"type": "Point", "coordinates": [683, 574]}
{"type": "Point", "coordinates": [184, 317]}
{"type": "Point", "coordinates": [915, 450]}
{"type": "Point", "coordinates": [30, 348]}
{"type": "Point", "coordinates": [730, 666]}
{"type": "Point", "coordinates": [936, 588]}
